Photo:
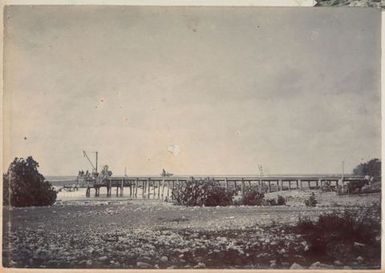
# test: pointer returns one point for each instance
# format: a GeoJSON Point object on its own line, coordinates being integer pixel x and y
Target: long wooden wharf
{"type": "Point", "coordinates": [160, 187]}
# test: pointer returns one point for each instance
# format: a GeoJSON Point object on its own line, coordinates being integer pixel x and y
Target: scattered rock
{"type": "Point", "coordinates": [318, 265]}
{"type": "Point", "coordinates": [358, 245]}
{"type": "Point", "coordinates": [143, 265]}
{"type": "Point", "coordinates": [338, 263]}
{"type": "Point", "coordinates": [359, 259]}
{"type": "Point", "coordinates": [200, 265]}
{"type": "Point", "coordinates": [102, 259]}
{"type": "Point", "coordinates": [296, 266]}
{"type": "Point", "coordinates": [164, 259]}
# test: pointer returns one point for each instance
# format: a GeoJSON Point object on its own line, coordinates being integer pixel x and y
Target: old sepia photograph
{"type": "Point", "coordinates": [192, 137]}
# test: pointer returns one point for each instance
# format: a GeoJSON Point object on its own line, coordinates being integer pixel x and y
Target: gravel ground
{"type": "Point", "coordinates": [154, 234]}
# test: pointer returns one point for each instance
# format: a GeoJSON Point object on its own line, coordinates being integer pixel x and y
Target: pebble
{"type": "Point", "coordinates": [318, 265]}
{"type": "Point", "coordinates": [164, 259]}
{"type": "Point", "coordinates": [103, 258]}
{"type": "Point", "coordinates": [200, 265]}
{"type": "Point", "coordinates": [360, 259]}
{"type": "Point", "coordinates": [358, 245]}
{"type": "Point", "coordinates": [143, 265]}
{"type": "Point", "coordinates": [338, 263]}
{"type": "Point", "coordinates": [296, 266]}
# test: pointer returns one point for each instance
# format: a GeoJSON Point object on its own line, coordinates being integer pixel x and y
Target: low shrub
{"type": "Point", "coordinates": [270, 202]}
{"type": "Point", "coordinates": [335, 234]}
{"type": "Point", "coordinates": [311, 201]}
{"type": "Point", "coordinates": [204, 192]}
{"type": "Point", "coordinates": [356, 186]}
{"type": "Point", "coordinates": [281, 201]}
{"type": "Point", "coordinates": [253, 197]}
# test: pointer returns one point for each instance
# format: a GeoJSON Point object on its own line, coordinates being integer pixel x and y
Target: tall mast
{"type": "Point", "coordinates": [96, 153]}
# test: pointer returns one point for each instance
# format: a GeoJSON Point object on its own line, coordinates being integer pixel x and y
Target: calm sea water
{"type": "Point", "coordinates": [61, 180]}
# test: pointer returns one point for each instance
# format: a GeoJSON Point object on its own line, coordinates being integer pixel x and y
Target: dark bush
{"type": "Point", "coordinates": [24, 186]}
{"type": "Point", "coordinates": [281, 200]}
{"type": "Point", "coordinates": [253, 197]}
{"type": "Point", "coordinates": [270, 202]}
{"type": "Point", "coordinates": [356, 186]}
{"type": "Point", "coordinates": [334, 234]}
{"type": "Point", "coordinates": [205, 192]}
{"type": "Point", "coordinates": [311, 201]}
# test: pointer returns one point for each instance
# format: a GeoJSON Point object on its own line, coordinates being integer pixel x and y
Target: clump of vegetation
{"type": "Point", "coordinates": [24, 186]}
{"type": "Point", "coordinates": [371, 168]}
{"type": "Point", "coordinates": [205, 192]}
{"type": "Point", "coordinates": [281, 201]}
{"type": "Point", "coordinates": [253, 197]}
{"type": "Point", "coordinates": [356, 186]}
{"type": "Point", "coordinates": [311, 201]}
{"type": "Point", "coordinates": [344, 234]}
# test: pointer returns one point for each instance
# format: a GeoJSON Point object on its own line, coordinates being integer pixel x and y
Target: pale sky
{"type": "Point", "coordinates": [295, 90]}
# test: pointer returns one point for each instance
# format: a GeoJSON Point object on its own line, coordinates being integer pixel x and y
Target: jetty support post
{"type": "Point", "coordinates": [168, 190]}
{"type": "Point", "coordinates": [148, 188]}
{"type": "Point", "coordinates": [136, 184]}
{"type": "Point", "coordinates": [122, 188]}
{"type": "Point", "coordinates": [143, 189]}
{"type": "Point", "coordinates": [163, 185]}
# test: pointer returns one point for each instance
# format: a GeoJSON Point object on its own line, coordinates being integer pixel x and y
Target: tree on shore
{"type": "Point", "coordinates": [371, 168]}
{"type": "Point", "coordinates": [24, 186]}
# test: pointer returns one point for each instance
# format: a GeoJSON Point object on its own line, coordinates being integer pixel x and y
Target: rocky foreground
{"type": "Point", "coordinates": [145, 234]}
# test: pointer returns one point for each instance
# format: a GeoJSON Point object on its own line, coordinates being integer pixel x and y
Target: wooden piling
{"type": "Point", "coordinates": [136, 187]}
{"type": "Point", "coordinates": [168, 189]}
{"type": "Point", "coordinates": [269, 186]}
{"type": "Point", "coordinates": [280, 185]}
{"type": "Point", "coordinates": [173, 185]}
{"type": "Point", "coordinates": [122, 188]}
{"type": "Point", "coordinates": [148, 188]}
{"type": "Point", "coordinates": [143, 188]}
{"type": "Point", "coordinates": [163, 184]}
{"type": "Point", "coordinates": [226, 184]}
{"type": "Point", "coordinates": [243, 187]}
